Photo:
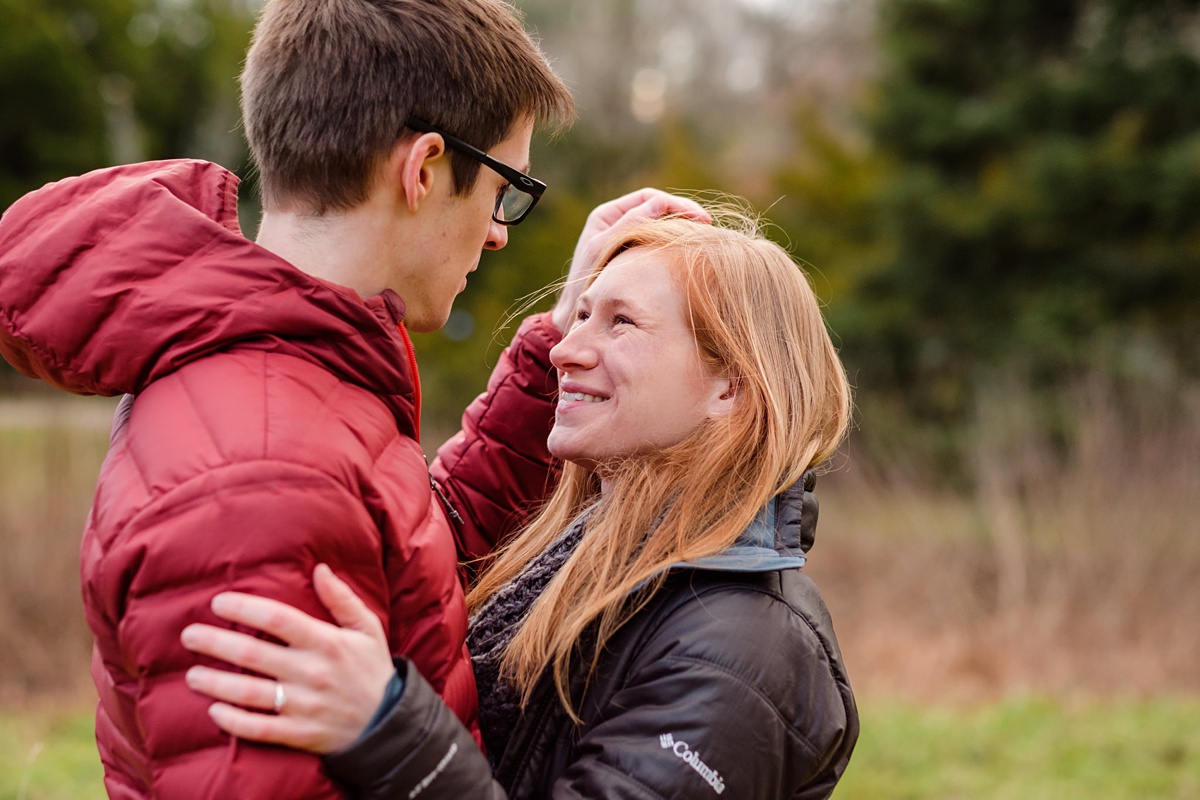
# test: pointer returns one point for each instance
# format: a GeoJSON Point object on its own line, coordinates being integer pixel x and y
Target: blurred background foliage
{"type": "Point", "coordinates": [986, 193]}
{"type": "Point", "coordinates": [88, 83]}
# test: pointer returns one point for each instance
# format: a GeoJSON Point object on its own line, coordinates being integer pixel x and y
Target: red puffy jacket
{"type": "Point", "coordinates": [271, 424]}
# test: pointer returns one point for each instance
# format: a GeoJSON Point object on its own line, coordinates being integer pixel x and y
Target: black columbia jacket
{"type": "Point", "coordinates": [729, 682]}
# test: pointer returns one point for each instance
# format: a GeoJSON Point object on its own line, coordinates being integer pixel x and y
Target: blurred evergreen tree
{"type": "Point", "coordinates": [52, 120]}
{"type": "Point", "coordinates": [90, 83]}
{"type": "Point", "coordinates": [1039, 217]}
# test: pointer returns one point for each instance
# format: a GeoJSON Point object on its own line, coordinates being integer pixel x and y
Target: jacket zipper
{"type": "Point", "coordinates": [412, 365]}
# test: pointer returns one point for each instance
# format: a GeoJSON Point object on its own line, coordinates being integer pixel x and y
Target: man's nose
{"type": "Point", "coordinates": [497, 236]}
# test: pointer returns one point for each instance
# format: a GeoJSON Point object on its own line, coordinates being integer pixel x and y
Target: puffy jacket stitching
{"type": "Point", "coordinates": [513, 381]}
{"type": "Point", "coordinates": [510, 381]}
{"type": "Point", "coordinates": [264, 387]}
{"type": "Point", "coordinates": [270, 375]}
{"type": "Point", "coordinates": [163, 502]}
{"type": "Point", "coordinates": [676, 601]}
{"type": "Point", "coordinates": [140, 683]}
{"type": "Point", "coordinates": [842, 685]}
{"type": "Point", "coordinates": [467, 484]}
{"type": "Point", "coordinates": [10, 324]}
{"type": "Point", "coordinates": [763, 696]}
{"type": "Point", "coordinates": [162, 512]}
{"type": "Point", "coordinates": [11, 321]}
{"type": "Point", "coordinates": [185, 384]}
{"type": "Point", "coordinates": [138, 467]}
{"type": "Point", "coordinates": [626, 777]}
{"type": "Point", "coordinates": [375, 453]}
{"type": "Point", "coordinates": [375, 449]}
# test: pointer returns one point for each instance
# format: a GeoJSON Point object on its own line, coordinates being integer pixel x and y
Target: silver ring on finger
{"type": "Point", "coordinates": [280, 697]}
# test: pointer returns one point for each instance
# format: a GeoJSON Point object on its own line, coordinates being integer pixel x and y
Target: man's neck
{"type": "Point", "coordinates": [338, 246]}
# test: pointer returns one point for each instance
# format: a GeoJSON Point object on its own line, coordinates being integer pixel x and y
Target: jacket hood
{"type": "Point", "coordinates": [778, 538]}
{"type": "Point", "coordinates": [110, 280]}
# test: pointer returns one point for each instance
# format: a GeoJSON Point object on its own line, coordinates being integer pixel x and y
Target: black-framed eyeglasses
{"type": "Point", "coordinates": [516, 199]}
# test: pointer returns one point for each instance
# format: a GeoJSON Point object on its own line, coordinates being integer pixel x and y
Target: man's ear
{"type": "Point", "coordinates": [411, 164]}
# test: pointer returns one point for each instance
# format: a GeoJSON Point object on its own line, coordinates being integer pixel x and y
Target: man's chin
{"type": "Point", "coordinates": [417, 324]}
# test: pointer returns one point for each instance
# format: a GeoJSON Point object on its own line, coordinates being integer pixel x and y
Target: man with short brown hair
{"type": "Point", "coordinates": [330, 86]}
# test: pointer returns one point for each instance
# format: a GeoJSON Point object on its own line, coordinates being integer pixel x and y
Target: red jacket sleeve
{"type": "Point", "coordinates": [258, 528]}
{"type": "Point", "coordinates": [497, 470]}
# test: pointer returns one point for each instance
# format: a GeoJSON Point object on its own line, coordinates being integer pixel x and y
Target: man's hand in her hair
{"type": "Point", "coordinates": [605, 219]}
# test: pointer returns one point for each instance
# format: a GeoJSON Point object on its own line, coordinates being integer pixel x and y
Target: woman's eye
{"type": "Point", "coordinates": [581, 316]}
{"type": "Point", "coordinates": [621, 319]}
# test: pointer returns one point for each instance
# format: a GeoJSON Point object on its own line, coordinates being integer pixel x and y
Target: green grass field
{"type": "Point", "coordinates": [1014, 750]}
{"type": "Point", "coordinates": [49, 756]}
{"type": "Point", "coordinates": [1028, 750]}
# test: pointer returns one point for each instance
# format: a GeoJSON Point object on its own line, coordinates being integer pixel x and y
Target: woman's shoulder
{"type": "Point", "coordinates": [748, 620]}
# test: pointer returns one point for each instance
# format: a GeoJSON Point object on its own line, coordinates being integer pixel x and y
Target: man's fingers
{"type": "Point", "coordinates": [645, 203]}
{"type": "Point", "coordinates": [343, 604]}
{"type": "Point", "coordinates": [662, 204]}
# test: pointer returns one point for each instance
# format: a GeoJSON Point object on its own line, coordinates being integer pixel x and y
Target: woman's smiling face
{"type": "Point", "coordinates": [630, 376]}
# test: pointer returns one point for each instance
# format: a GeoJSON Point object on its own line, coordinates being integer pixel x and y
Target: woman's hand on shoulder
{"type": "Point", "coordinates": [323, 684]}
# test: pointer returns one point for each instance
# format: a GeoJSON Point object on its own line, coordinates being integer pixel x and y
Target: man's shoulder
{"type": "Point", "coordinates": [245, 405]}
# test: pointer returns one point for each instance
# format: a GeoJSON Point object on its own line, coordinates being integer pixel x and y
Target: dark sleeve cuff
{"type": "Point", "coordinates": [391, 696]}
{"type": "Point", "coordinates": [417, 745]}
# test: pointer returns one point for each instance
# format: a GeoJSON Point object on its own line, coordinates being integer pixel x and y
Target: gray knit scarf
{"type": "Point", "coordinates": [494, 626]}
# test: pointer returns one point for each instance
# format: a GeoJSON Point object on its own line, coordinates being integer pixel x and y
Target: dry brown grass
{"type": "Point", "coordinates": [52, 451]}
{"type": "Point", "coordinates": [1073, 567]}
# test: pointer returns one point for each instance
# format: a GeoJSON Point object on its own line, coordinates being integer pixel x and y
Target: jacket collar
{"type": "Point", "coordinates": [778, 537]}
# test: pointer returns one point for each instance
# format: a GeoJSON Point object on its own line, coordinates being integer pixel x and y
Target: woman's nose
{"type": "Point", "coordinates": [574, 350]}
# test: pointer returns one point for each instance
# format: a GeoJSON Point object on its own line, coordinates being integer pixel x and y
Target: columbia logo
{"type": "Point", "coordinates": [692, 759]}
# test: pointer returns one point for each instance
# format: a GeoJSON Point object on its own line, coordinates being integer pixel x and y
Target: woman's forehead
{"type": "Point", "coordinates": [634, 276]}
